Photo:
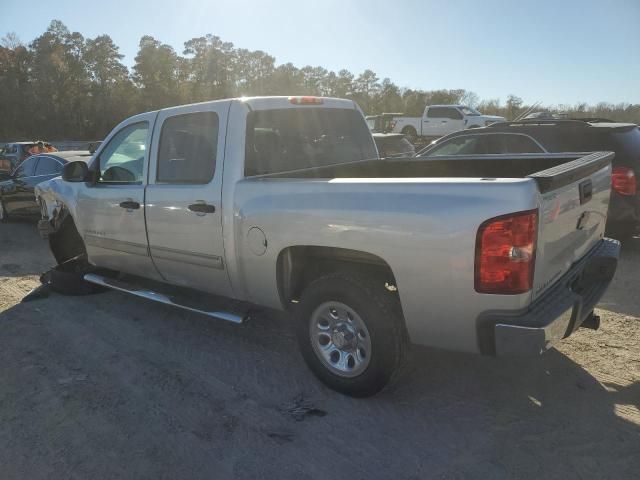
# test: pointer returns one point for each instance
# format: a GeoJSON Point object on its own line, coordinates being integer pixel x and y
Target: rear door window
{"type": "Point", "coordinates": [48, 166]}
{"type": "Point", "coordinates": [188, 146]}
{"type": "Point", "coordinates": [26, 168]}
{"type": "Point", "coordinates": [288, 139]}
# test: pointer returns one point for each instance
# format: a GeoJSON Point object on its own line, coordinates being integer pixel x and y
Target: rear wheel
{"type": "Point", "coordinates": [351, 333]}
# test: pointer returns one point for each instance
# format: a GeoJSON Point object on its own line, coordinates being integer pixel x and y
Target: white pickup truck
{"type": "Point", "coordinates": [282, 202]}
{"type": "Point", "coordinates": [440, 120]}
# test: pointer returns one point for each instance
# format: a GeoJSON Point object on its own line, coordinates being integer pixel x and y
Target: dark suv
{"type": "Point", "coordinates": [554, 136]}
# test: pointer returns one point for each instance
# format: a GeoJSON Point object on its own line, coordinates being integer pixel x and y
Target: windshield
{"type": "Point", "coordinates": [295, 138]}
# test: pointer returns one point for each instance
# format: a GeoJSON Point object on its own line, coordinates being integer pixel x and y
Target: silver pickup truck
{"type": "Point", "coordinates": [282, 202]}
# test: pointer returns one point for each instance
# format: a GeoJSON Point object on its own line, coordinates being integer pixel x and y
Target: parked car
{"type": "Point", "coordinates": [439, 120]}
{"type": "Point", "coordinates": [574, 135]}
{"type": "Point", "coordinates": [13, 153]}
{"type": "Point", "coordinates": [17, 188]}
{"type": "Point", "coordinates": [282, 203]}
{"type": "Point", "coordinates": [393, 145]}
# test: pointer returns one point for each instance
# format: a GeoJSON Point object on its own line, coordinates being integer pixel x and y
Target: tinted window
{"type": "Point", "coordinates": [122, 160]}
{"type": "Point", "coordinates": [48, 166]}
{"type": "Point", "coordinates": [463, 145]}
{"type": "Point", "coordinates": [26, 168]}
{"type": "Point", "coordinates": [395, 147]}
{"type": "Point", "coordinates": [188, 145]}
{"type": "Point", "coordinates": [296, 138]}
{"type": "Point", "coordinates": [444, 112]}
{"type": "Point", "coordinates": [626, 145]}
{"type": "Point", "coordinates": [520, 144]}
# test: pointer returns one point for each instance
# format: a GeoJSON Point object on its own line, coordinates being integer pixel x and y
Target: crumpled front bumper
{"type": "Point", "coordinates": [558, 313]}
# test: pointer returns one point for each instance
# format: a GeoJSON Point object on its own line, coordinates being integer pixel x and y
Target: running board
{"type": "Point", "coordinates": [125, 287]}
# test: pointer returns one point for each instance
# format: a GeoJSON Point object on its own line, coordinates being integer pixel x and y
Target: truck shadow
{"type": "Point", "coordinates": [190, 391]}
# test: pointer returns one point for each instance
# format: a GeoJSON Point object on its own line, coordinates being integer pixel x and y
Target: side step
{"type": "Point", "coordinates": [173, 300]}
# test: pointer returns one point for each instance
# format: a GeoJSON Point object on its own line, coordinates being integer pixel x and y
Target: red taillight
{"type": "Point", "coordinates": [623, 181]}
{"type": "Point", "coordinates": [306, 100]}
{"type": "Point", "coordinates": [506, 253]}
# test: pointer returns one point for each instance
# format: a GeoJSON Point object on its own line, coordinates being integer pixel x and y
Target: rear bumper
{"type": "Point", "coordinates": [558, 313]}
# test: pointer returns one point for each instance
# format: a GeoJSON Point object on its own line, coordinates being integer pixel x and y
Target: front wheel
{"type": "Point", "coordinates": [351, 333]}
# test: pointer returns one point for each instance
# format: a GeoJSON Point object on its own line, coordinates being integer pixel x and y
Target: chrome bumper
{"type": "Point", "coordinates": [558, 313]}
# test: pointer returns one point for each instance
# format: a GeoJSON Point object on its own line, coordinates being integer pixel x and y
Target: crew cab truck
{"type": "Point", "coordinates": [439, 120]}
{"type": "Point", "coordinates": [283, 202]}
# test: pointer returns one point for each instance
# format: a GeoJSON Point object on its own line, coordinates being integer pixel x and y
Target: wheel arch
{"type": "Point", "coordinates": [299, 265]}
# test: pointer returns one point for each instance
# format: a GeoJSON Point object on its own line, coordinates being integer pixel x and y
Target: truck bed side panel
{"type": "Point", "coordinates": [425, 229]}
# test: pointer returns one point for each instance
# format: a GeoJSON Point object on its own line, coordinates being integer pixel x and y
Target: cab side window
{"type": "Point", "coordinates": [26, 168]}
{"type": "Point", "coordinates": [48, 166]}
{"type": "Point", "coordinates": [122, 160]}
{"type": "Point", "coordinates": [188, 147]}
{"type": "Point", "coordinates": [444, 112]}
{"type": "Point", "coordinates": [463, 145]}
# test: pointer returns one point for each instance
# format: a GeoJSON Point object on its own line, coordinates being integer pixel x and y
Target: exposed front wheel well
{"type": "Point", "coordinates": [300, 265]}
{"type": "Point", "coordinates": [65, 242]}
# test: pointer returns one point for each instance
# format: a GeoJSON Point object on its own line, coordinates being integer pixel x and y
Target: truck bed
{"type": "Point", "coordinates": [496, 166]}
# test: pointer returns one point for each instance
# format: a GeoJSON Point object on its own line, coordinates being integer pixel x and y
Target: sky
{"type": "Point", "coordinates": [553, 51]}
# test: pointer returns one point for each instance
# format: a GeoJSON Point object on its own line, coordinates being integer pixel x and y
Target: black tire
{"type": "Point", "coordinates": [379, 310]}
{"type": "Point", "coordinates": [410, 133]}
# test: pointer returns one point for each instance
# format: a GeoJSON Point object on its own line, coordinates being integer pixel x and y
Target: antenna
{"type": "Point", "coordinates": [527, 111]}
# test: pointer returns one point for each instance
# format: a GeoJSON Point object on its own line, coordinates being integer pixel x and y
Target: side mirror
{"type": "Point", "coordinates": [75, 172]}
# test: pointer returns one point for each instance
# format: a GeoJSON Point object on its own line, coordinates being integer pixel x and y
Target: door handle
{"type": "Point", "coordinates": [130, 205]}
{"type": "Point", "coordinates": [445, 121]}
{"type": "Point", "coordinates": [202, 208]}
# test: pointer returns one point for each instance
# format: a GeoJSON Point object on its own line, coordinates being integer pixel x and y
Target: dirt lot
{"type": "Point", "coordinates": [110, 386]}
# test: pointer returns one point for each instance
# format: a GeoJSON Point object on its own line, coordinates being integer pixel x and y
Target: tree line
{"type": "Point", "coordinates": [65, 86]}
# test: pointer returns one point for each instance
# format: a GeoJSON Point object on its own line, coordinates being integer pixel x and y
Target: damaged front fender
{"type": "Point", "coordinates": [57, 199]}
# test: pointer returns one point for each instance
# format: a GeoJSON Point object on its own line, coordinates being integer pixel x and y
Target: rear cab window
{"type": "Point", "coordinates": [281, 140]}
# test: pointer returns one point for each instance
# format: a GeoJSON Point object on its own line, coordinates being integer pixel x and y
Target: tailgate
{"type": "Point", "coordinates": [574, 198]}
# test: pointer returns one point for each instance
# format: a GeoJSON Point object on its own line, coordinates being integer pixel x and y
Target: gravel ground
{"type": "Point", "coordinates": [110, 386]}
